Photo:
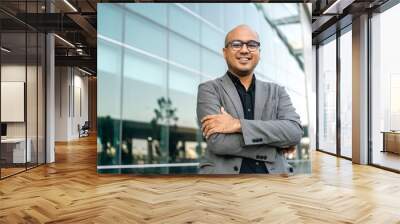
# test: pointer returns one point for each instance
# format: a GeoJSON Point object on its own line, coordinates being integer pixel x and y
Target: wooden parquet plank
{"type": "Point", "coordinates": [70, 191]}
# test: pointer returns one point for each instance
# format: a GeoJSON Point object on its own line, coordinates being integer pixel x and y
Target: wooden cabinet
{"type": "Point", "coordinates": [391, 141]}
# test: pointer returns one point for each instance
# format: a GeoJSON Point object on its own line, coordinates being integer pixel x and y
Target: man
{"type": "Point", "coordinates": [248, 124]}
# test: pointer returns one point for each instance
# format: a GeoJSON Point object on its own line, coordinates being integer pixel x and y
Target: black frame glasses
{"type": "Point", "coordinates": [237, 45]}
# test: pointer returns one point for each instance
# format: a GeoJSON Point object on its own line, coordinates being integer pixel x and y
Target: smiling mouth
{"type": "Point", "coordinates": [243, 59]}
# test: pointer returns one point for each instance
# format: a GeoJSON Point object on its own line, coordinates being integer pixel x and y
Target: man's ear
{"type": "Point", "coordinates": [224, 52]}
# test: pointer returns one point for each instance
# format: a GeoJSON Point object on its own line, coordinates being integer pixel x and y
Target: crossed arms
{"type": "Point", "coordinates": [227, 135]}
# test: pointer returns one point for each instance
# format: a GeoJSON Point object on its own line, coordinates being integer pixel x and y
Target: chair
{"type": "Point", "coordinates": [84, 130]}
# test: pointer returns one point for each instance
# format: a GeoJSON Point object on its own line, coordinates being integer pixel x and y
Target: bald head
{"type": "Point", "coordinates": [243, 28]}
{"type": "Point", "coordinates": [241, 60]}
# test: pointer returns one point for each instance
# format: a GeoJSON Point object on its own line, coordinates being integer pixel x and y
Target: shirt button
{"type": "Point", "coordinates": [248, 110]}
{"type": "Point", "coordinates": [257, 163]}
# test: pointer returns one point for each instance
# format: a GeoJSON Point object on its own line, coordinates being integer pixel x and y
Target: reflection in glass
{"type": "Point", "coordinates": [146, 35]}
{"type": "Point", "coordinates": [109, 109]}
{"type": "Point", "coordinates": [327, 97]}
{"type": "Point", "coordinates": [144, 129]}
{"type": "Point", "coordinates": [183, 92]}
{"type": "Point", "coordinates": [180, 20]}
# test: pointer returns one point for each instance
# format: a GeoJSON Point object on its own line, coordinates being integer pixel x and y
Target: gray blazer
{"type": "Point", "coordinates": [276, 125]}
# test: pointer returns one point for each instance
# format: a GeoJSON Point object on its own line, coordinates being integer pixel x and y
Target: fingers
{"type": "Point", "coordinates": [207, 123]}
{"type": "Point", "coordinates": [208, 117]}
{"type": "Point", "coordinates": [210, 132]}
{"type": "Point", "coordinates": [207, 127]}
{"type": "Point", "coordinates": [210, 122]}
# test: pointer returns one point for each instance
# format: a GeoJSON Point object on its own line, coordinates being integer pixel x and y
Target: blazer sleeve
{"type": "Point", "coordinates": [209, 103]}
{"type": "Point", "coordinates": [283, 132]}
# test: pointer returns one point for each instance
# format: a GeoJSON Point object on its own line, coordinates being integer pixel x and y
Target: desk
{"type": "Point", "coordinates": [15, 148]}
{"type": "Point", "coordinates": [391, 141]}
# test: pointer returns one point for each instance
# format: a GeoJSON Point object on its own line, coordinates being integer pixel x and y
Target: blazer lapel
{"type": "Point", "coordinates": [231, 91]}
{"type": "Point", "coordinates": [260, 99]}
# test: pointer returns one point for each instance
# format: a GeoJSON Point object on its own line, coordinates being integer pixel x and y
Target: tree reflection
{"type": "Point", "coordinates": [165, 119]}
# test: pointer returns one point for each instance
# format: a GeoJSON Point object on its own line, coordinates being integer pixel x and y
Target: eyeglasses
{"type": "Point", "coordinates": [236, 45]}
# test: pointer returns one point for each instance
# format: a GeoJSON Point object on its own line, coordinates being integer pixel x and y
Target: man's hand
{"type": "Point", "coordinates": [220, 123]}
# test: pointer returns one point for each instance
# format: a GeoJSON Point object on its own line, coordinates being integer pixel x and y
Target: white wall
{"type": "Point", "coordinates": [15, 72]}
{"type": "Point", "coordinates": [61, 103]}
{"type": "Point", "coordinates": [71, 94]}
{"type": "Point", "coordinates": [33, 126]}
{"type": "Point", "coordinates": [79, 117]}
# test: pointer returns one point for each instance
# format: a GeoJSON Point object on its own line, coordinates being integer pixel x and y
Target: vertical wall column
{"type": "Point", "coordinates": [92, 100]}
{"type": "Point", "coordinates": [50, 98]}
{"type": "Point", "coordinates": [50, 91]}
{"type": "Point", "coordinates": [360, 90]}
{"type": "Point", "coordinates": [63, 98]}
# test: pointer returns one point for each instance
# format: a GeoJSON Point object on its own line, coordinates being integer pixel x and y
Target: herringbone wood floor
{"type": "Point", "coordinates": [70, 191]}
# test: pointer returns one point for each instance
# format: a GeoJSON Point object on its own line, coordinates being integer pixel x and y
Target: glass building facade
{"type": "Point", "coordinates": [151, 59]}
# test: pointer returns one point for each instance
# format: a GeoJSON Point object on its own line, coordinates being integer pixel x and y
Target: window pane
{"type": "Point", "coordinates": [184, 132]}
{"type": "Point", "coordinates": [213, 64]}
{"type": "Point", "coordinates": [327, 97]}
{"type": "Point", "coordinates": [109, 18]}
{"type": "Point", "coordinates": [184, 52]}
{"type": "Point", "coordinates": [346, 94]}
{"type": "Point", "coordinates": [213, 13]}
{"type": "Point", "coordinates": [211, 38]}
{"type": "Point", "coordinates": [386, 89]}
{"type": "Point", "coordinates": [180, 20]}
{"type": "Point", "coordinates": [143, 117]}
{"type": "Point", "coordinates": [233, 9]}
{"type": "Point", "coordinates": [156, 13]}
{"type": "Point", "coordinates": [145, 35]}
{"type": "Point", "coordinates": [109, 104]}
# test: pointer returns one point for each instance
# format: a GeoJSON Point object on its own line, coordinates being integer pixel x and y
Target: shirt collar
{"type": "Point", "coordinates": [236, 80]}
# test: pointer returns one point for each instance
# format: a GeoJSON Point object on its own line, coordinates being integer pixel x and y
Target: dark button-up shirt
{"type": "Point", "coordinates": [247, 97]}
